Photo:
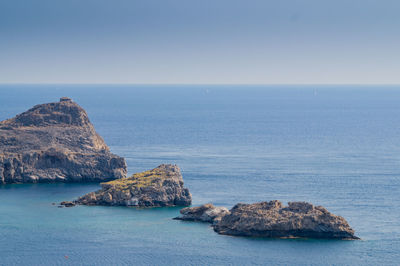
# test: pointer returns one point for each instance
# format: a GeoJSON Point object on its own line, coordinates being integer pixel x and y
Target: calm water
{"type": "Point", "coordinates": [333, 146]}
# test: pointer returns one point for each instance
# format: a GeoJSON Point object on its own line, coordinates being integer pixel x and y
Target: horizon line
{"type": "Point", "coordinates": [206, 84]}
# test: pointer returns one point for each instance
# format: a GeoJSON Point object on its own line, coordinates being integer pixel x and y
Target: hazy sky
{"type": "Point", "coordinates": [200, 41]}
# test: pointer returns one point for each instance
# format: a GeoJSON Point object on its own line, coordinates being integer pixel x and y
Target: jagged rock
{"type": "Point", "coordinates": [272, 219]}
{"type": "Point", "coordinates": [204, 213]}
{"type": "Point", "coordinates": [55, 142]}
{"type": "Point", "coordinates": [162, 186]}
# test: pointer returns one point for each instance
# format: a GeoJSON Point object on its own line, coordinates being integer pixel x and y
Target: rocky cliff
{"type": "Point", "coordinates": [55, 142]}
{"type": "Point", "coordinates": [162, 186]}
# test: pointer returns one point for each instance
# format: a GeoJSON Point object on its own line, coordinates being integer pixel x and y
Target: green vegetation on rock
{"type": "Point", "coordinates": [143, 179]}
{"type": "Point", "coordinates": [162, 186]}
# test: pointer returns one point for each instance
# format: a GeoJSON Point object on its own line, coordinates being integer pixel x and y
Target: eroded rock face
{"type": "Point", "coordinates": [55, 142]}
{"type": "Point", "coordinates": [160, 187]}
{"type": "Point", "coordinates": [204, 213]}
{"type": "Point", "coordinates": [273, 219]}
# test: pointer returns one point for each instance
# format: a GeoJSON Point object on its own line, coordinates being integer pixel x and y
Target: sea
{"type": "Point", "coordinates": [332, 145]}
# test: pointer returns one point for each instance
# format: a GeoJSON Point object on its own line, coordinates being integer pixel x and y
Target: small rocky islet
{"type": "Point", "coordinates": [273, 220]}
{"type": "Point", "coordinates": [205, 213]}
{"type": "Point", "coordinates": [55, 142]}
{"type": "Point", "coordinates": [159, 187]}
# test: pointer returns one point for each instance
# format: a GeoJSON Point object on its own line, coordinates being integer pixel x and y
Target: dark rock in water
{"type": "Point", "coordinates": [162, 186]}
{"type": "Point", "coordinates": [68, 204]}
{"type": "Point", "coordinates": [204, 213]}
{"type": "Point", "coordinates": [272, 219]}
{"type": "Point", "coordinates": [55, 142]}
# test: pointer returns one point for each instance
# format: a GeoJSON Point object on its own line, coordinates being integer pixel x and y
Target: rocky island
{"type": "Point", "coordinates": [160, 187]}
{"type": "Point", "coordinates": [273, 219]}
{"type": "Point", "coordinates": [55, 142]}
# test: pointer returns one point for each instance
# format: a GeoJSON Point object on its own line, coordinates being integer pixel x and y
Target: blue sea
{"type": "Point", "coordinates": [336, 146]}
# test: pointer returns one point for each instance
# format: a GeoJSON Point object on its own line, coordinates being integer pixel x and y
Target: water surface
{"type": "Point", "coordinates": [336, 146]}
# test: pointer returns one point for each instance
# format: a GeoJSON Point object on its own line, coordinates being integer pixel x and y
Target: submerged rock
{"type": "Point", "coordinates": [272, 219]}
{"type": "Point", "coordinates": [162, 186]}
{"type": "Point", "coordinates": [55, 142]}
{"type": "Point", "coordinates": [68, 204]}
{"type": "Point", "coordinates": [204, 213]}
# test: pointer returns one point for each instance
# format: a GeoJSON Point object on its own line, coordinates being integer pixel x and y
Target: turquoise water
{"type": "Point", "coordinates": [335, 146]}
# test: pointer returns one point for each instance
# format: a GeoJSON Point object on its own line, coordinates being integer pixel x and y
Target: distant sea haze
{"type": "Point", "coordinates": [336, 146]}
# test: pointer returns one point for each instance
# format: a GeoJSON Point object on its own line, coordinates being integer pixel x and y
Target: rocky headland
{"type": "Point", "coordinates": [160, 187]}
{"type": "Point", "coordinates": [55, 142]}
{"type": "Point", "coordinates": [273, 219]}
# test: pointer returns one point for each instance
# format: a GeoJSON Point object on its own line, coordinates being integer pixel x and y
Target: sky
{"type": "Point", "coordinates": [200, 42]}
